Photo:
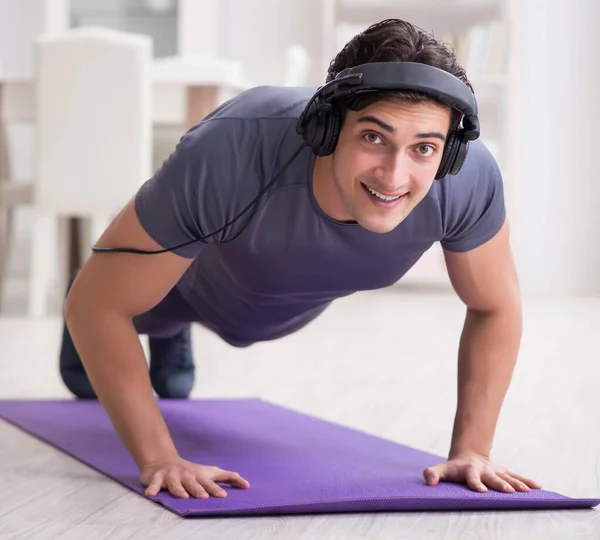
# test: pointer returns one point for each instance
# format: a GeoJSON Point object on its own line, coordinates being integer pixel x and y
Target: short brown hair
{"type": "Point", "coordinates": [395, 40]}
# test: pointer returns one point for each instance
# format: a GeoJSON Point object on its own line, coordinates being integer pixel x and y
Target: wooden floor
{"type": "Point", "coordinates": [383, 362]}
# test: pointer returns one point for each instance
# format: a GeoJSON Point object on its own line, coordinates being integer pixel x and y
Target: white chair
{"type": "Point", "coordinates": [93, 142]}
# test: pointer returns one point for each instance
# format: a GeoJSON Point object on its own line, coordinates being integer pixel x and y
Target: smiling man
{"type": "Point", "coordinates": [276, 204]}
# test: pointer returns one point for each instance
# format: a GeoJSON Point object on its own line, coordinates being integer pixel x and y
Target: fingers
{"type": "Point", "coordinates": [199, 486]}
{"type": "Point", "coordinates": [212, 488]}
{"type": "Point", "coordinates": [200, 482]}
{"type": "Point", "coordinates": [175, 487]}
{"type": "Point", "coordinates": [448, 471]}
{"type": "Point", "coordinates": [518, 482]}
{"type": "Point", "coordinates": [155, 485]}
{"type": "Point", "coordinates": [527, 481]}
{"type": "Point", "coordinates": [474, 480]}
{"type": "Point", "coordinates": [479, 475]}
{"type": "Point", "coordinates": [433, 475]}
{"type": "Point", "coordinates": [231, 478]}
{"type": "Point", "coordinates": [500, 481]}
{"type": "Point", "coordinates": [194, 487]}
{"type": "Point", "coordinates": [496, 482]}
{"type": "Point", "coordinates": [470, 473]}
{"type": "Point", "coordinates": [509, 482]}
{"type": "Point", "coordinates": [209, 481]}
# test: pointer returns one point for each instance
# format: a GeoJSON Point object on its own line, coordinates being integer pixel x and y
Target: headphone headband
{"type": "Point", "coordinates": [319, 123]}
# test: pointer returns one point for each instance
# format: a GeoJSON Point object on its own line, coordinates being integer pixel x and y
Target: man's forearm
{"type": "Point", "coordinates": [488, 353]}
{"type": "Point", "coordinates": [114, 360]}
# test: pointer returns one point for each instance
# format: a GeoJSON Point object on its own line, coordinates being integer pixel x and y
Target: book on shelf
{"type": "Point", "coordinates": [482, 50]}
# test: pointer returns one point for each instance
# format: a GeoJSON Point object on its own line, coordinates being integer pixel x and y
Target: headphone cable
{"type": "Point", "coordinates": [238, 216]}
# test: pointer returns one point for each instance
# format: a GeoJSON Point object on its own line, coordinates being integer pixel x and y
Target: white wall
{"type": "Point", "coordinates": [201, 37]}
{"type": "Point", "coordinates": [554, 190]}
{"type": "Point", "coordinates": [20, 21]}
{"type": "Point", "coordinates": [257, 33]}
{"type": "Point", "coordinates": [252, 33]}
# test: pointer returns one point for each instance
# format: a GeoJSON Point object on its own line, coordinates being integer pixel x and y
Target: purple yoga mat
{"type": "Point", "coordinates": [295, 463]}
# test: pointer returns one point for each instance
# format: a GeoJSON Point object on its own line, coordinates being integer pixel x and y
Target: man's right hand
{"type": "Point", "coordinates": [183, 479]}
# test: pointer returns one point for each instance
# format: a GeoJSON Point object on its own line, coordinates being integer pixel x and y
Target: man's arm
{"type": "Point", "coordinates": [108, 292]}
{"type": "Point", "coordinates": [486, 280]}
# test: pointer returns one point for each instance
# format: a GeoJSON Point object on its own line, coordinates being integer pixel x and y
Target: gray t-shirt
{"type": "Point", "coordinates": [285, 261]}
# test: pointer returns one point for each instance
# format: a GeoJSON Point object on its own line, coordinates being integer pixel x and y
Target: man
{"type": "Point", "coordinates": [256, 233]}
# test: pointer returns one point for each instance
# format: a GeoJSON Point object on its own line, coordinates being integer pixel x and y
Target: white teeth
{"type": "Point", "coordinates": [383, 197]}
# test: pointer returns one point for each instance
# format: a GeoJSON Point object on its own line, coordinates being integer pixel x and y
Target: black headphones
{"type": "Point", "coordinates": [320, 122]}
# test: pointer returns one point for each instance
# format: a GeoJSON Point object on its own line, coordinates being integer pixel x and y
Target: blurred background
{"type": "Point", "coordinates": [94, 94]}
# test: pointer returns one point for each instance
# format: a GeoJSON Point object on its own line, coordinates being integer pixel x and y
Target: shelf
{"type": "Point", "coordinates": [123, 8]}
{"type": "Point", "coordinates": [440, 16]}
{"type": "Point", "coordinates": [489, 89]}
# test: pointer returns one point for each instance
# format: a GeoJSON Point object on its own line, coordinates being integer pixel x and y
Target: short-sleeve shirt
{"type": "Point", "coordinates": [280, 265]}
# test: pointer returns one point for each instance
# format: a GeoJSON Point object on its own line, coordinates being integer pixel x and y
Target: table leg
{"type": "Point", "coordinates": [75, 258]}
{"type": "Point", "coordinates": [3, 211]}
{"type": "Point", "coordinates": [201, 100]}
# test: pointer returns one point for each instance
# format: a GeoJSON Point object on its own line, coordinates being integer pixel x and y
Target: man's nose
{"type": "Point", "coordinates": [395, 173]}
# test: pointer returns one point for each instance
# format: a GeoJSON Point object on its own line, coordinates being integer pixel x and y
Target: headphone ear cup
{"type": "Point", "coordinates": [320, 125]}
{"type": "Point", "coordinates": [454, 155]}
{"type": "Point", "coordinates": [307, 125]}
{"type": "Point", "coordinates": [313, 125]}
{"type": "Point", "coordinates": [461, 154]}
{"type": "Point", "coordinates": [332, 127]}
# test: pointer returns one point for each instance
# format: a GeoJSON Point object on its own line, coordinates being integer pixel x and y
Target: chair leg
{"type": "Point", "coordinates": [7, 218]}
{"type": "Point", "coordinates": [62, 257]}
{"type": "Point", "coordinates": [90, 231]}
{"type": "Point", "coordinates": [98, 225]}
{"type": "Point", "coordinates": [4, 253]}
{"type": "Point", "coordinates": [43, 262]}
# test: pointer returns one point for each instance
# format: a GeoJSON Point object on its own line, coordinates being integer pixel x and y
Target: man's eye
{"type": "Point", "coordinates": [372, 138]}
{"type": "Point", "coordinates": [427, 148]}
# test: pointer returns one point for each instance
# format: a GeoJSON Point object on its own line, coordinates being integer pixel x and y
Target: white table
{"type": "Point", "coordinates": [184, 91]}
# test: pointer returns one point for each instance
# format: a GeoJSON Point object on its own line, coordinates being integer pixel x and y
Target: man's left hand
{"type": "Point", "coordinates": [479, 473]}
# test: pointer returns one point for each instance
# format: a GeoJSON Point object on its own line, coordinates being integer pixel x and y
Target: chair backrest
{"type": "Point", "coordinates": [93, 120]}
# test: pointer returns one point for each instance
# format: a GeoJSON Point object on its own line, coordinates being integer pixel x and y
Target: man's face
{"type": "Point", "coordinates": [384, 163]}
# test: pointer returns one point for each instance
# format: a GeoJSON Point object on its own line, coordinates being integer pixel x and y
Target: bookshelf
{"type": "Point", "coordinates": [455, 16]}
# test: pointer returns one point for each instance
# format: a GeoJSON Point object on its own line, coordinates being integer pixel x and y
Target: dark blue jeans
{"type": "Point", "coordinates": [169, 317]}
{"type": "Point", "coordinates": [171, 369]}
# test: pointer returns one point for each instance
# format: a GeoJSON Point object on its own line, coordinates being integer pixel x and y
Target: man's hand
{"type": "Point", "coordinates": [183, 479]}
{"type": "Point", "coordinates": [479, 474]}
